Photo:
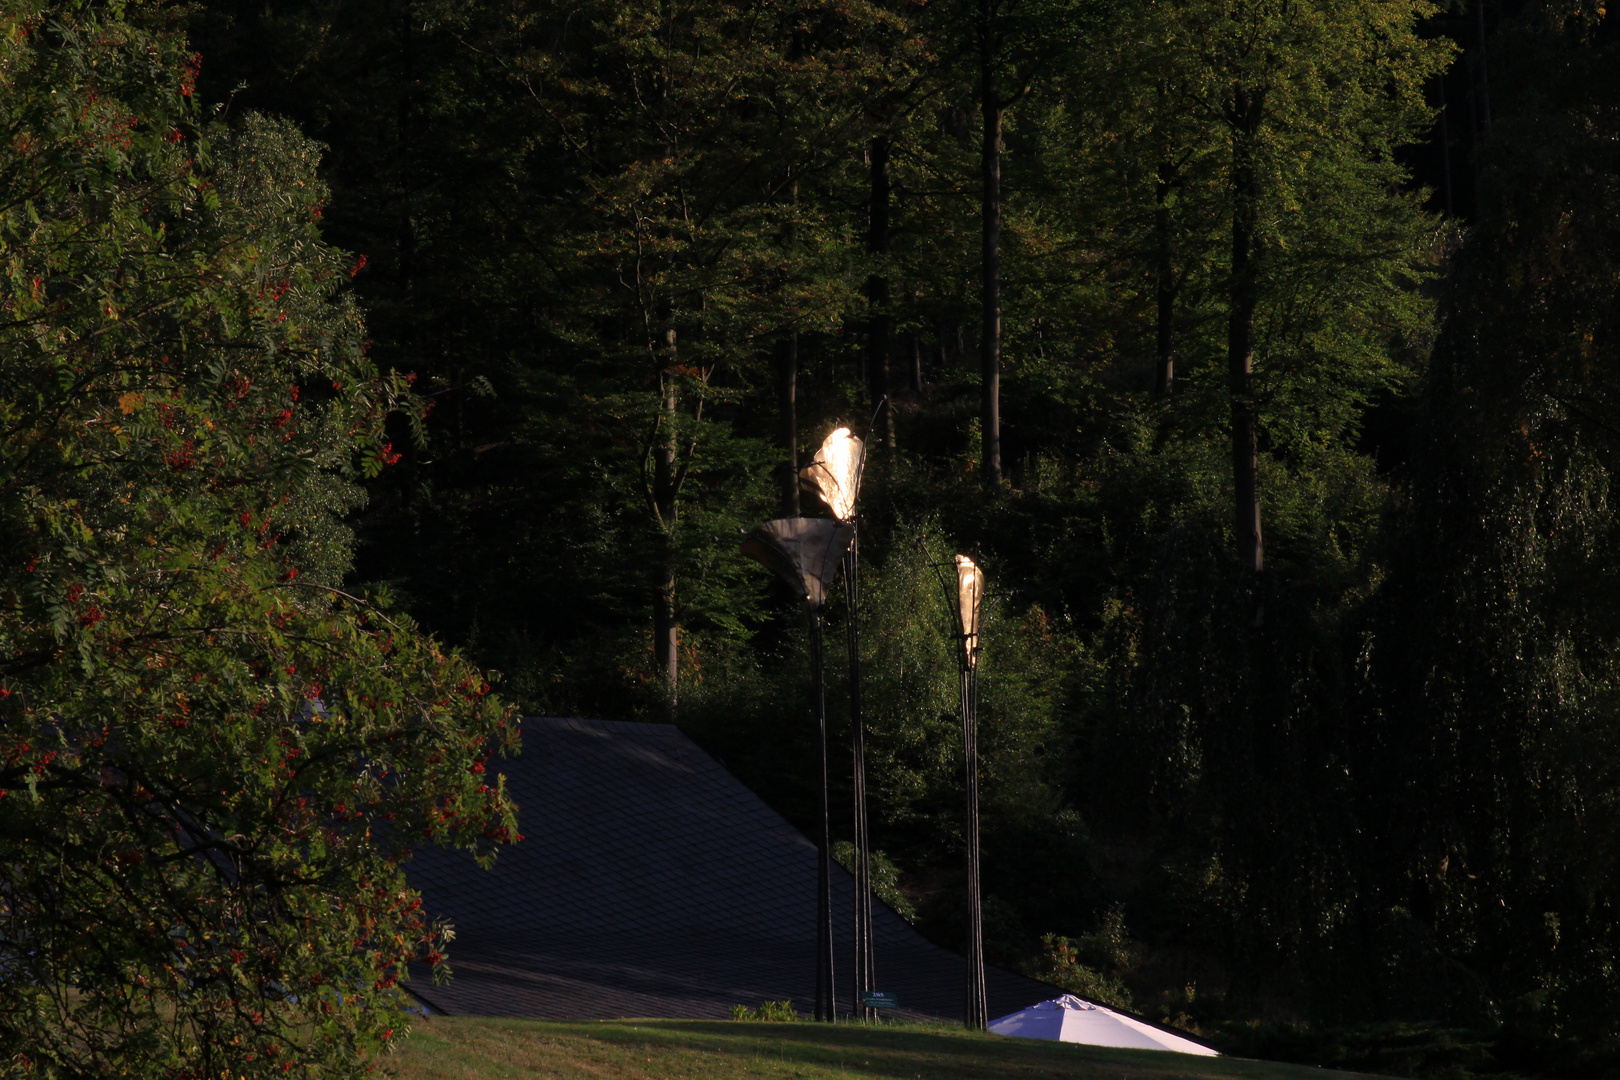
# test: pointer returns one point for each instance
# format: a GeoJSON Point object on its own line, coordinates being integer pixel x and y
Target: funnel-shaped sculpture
{"type": "Point", "coordinates": [834, 474]}
{"type": "Point", "coordinates": [969, 596]}
{"type": "Point", "coordinates": [804, 552]}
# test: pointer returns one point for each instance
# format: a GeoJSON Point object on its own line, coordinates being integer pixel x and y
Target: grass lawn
{"type": "Point", "coordinates": [464, 1049]}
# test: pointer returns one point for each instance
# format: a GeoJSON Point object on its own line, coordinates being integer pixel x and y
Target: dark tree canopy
{"type": "Point", "coordinates": [213, 758]}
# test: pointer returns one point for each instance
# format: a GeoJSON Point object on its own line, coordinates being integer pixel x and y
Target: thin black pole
{"type": "Point", "coordinates": [864, 973]}
{"type": "Point", "coordinates": [826, 997]}
{"type": "Point", "coordinates": [977, 1013]}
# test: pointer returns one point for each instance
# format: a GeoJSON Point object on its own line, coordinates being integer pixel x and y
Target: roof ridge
{"type": "Point", "coordinates": [624, 727]}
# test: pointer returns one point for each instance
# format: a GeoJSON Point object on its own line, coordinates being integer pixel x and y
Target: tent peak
{"type": "Point", "coordinates": [1064, 1001]}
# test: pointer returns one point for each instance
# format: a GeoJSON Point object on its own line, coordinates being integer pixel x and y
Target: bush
{"type": "Point", "coordinates": [769, 1012]}
{"type": "Point", "coordinates": [1060, 965]}
{"type": "Point", "coordinates": [885, 879]}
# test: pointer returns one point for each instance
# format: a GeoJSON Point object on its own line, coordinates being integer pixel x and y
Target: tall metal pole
{"type": "Point", "coordinates": [977, 1012]}
{"type": "Point", "coordinates": [805, 553]}
{"type": "Point", "coordinates": [826, 997]}
{"type": "Point", "coordinates": [864, 974]}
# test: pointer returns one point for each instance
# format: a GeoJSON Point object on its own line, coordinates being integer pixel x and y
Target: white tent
{"type": "Point", "coordinates": [1069, 1019]}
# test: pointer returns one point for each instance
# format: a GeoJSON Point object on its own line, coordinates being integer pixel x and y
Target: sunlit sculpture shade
{"type": "Point", "coordinates": [834, 474]}
{"type": "Point", "coordinates": [804, 552]}
{"type": "Point", "coordinates": [969, 594]}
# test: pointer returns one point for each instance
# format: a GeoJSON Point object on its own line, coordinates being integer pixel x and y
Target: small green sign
{"type": "Point", "coordinates": [874, 999]}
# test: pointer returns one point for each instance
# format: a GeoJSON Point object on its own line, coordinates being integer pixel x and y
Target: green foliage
{"type": "Point", "coordinates": [769, 1012]}
{"type": "Point", "coordinates": [885, 878]}
{"type": "Point", "coordinates": [644, 203]}
{"type": "Point", "coordinates": [1496, 685]}
{"type": "Point", "coordinates": [1038, 861]}
{"type": "Point", "coordinates": [910, 693]}
{"type": "Point", "coordinates": [1062, 966]}
{"type": "Point", "coordinates": [212, 763]}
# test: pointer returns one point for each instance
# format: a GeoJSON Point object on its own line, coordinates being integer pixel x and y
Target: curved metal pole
{"type": "Point", "coordinates": [864, 973]}
{"type": "Point", "coordinates": [826, 997]}
{"type": "Point", "coordinates": [976, 1014]}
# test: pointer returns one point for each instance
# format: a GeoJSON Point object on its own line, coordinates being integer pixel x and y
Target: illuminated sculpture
{"type": "Point", "coordinates": [834, 474]}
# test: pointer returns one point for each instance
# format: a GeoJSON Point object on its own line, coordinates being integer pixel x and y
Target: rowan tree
{"type": "Point", "coordinates": [213, 759]}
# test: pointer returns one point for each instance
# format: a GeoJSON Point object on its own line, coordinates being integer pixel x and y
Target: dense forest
{"type": "Point", "coordinates": [1258, 349]}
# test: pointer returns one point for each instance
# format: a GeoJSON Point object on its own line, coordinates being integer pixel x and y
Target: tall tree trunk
{"type": "Point", "coordinates": [1243, 299]}
{"type": "Point", "coordinates": [1445, 145]}
{"type": "Point", "coordinates": [990, 155]}
{"type": "Point", "coordinates": [881, 331]}
{"type": "Point", "coordinates": [666, 632]}
{"type": "Point", "coordinates": [788, 400]}
{"type": "Point", "coordinates": [788, 396]}
{"type": "Point", "coordinates": [1165, 383]}
{"type": "Point", "coordinates": [1484, 71]}
{"type": "Point", "coordinates": [405, 119]}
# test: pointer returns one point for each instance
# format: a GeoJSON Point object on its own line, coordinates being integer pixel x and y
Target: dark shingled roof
{"type": "Point", "coordinates": [653, 884]}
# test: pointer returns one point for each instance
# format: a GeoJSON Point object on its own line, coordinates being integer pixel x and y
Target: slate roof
{"type": "Point", "coordinates": [652, 883]}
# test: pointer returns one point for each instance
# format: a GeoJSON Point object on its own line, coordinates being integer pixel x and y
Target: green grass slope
{"type": "Point", "coordinates": [466, 1049]}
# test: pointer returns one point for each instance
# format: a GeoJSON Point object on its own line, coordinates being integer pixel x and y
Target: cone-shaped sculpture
{"type": "Point", "coordinates": [834, 474]}
{"type": "Point", "coordinates": [969, 596]}
{"type": "Point", "coordinates": [803, 552]}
